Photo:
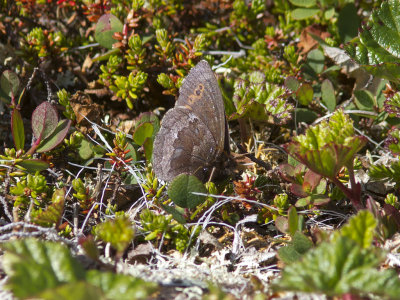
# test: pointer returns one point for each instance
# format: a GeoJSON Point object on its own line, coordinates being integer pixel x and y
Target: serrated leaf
{"type": "Point", "coordinates": [142, 132]}
{"type": "Point", "coordinates": [337, 268]}
{"type": "Point", "coordinates": [288, 254]}
{"type": "Point", "coordinates": [304, 13]}
{"type": "Point", "coordinates": [34, 165]}
{"type": "Point", "coordinates": [9, 83]}
{"type": "Point", "coordinates": [46, 270]}
{"type": "Point", "coordinates": [73, 291]}
{"type": "Point", "coordinates": [56, 137]}
{"type": "Point", "coordinates": [360, 228]}
{"type": "Point", "coordinates": [17, 128]}
{"type": "Point", "coordinates": [327, 147]}
{"type": "Point", "coordinates": [44, 120]}
{"type": "Point", "coordinates": [121, 287]}
{"type": "Point", "coordinates": [299, 245]}
{"type": "Point", "coordinates": [377, 47]}
{"type": "Point", "coordinates": [34, 266]}
{"type": "Point", "coordinates": [52, 214]}
{"type": "Point", "coordinates": [181, 191]}
{"type": "Point", "coordinates": [328, 95]}
{"type": "Point", "coordinates": [106, 26]}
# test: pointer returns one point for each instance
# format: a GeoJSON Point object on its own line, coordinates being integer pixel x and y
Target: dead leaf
{"type": "Point", "coordinates": [84, 107]}
{"type": "Point", "coordinates": [307, 42]}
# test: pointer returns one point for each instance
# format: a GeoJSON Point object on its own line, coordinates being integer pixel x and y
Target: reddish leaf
{"type": "Point", "coordinates": [107, 25]}
{"type": "Point", "coordinates": [44, 120]}
{"type": "Point", "coordinates": [311, 180]}
{"type": "Point", "coordinates": [56, 137]}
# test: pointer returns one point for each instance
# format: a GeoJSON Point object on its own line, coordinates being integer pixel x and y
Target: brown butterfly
{"type": "Point", "coordinates": [193, 138]}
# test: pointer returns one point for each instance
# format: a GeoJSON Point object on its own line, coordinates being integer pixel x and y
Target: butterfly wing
{"type": "Point", "coordinates": [184, 144]}
{"type": "Point", "coordinates": [200, 93]}
{"type": "Point", "coordinates": [193, 133]}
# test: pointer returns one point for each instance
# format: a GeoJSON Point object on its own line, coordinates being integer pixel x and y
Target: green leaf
{"type": "Point", "coordinates": [364, 100]}
{"type": "Point", "coordinates": [377, 47]}
{"type": "Point", "coordinates": [17, 128]}
{"type": "Point", "coordinates": [132, 152]}
{"type": "Point", "coordinates": [259, 100]}
{"type": "Point", "coordinates": [85, 149]}
{"type": "Point", "coordinates": [293, 221]}
{"type": "Point", "coordinates": [338, 268]}
{"type": "Point", "coordinates": [328, 95]}
{"type": "Point", "coordinates": [51, 216]}
{"type": "Point", "coordinates": [106, 26]}
{"type": "Point", "coordinates": [9, 83]}
{"type": "Point", "coordinates": [304, 13]}
{"type": "Point", "coordinates": [73, 291]}
{"type": "Point", "coordinates": [181, 191]}
{"type": "Point", "coordinates": [46, 270]}
{"type": "Point", "coordinates": [305, 115]}
{"type": "Point", "coordinates": [121, 287]}
{"type": "Point", "coordinates": [118, 232]}
{"type": "Point", "coordinates": [149, 117]}
{"type": "Point", "coordinates": [299, 245]}
{"type": "Point", "coordinates": [348, 22]}
{"type": "Point", "coordinates": [175, 213]}
{"type": "Point", "coordinates": [34, 266]}
{"type": "Point", "coordinates": [44, 120]}
{"type": "Point", "coordinates": [148, 149]}
{"type": "Point", "coordinates": [303, 3]}
{"type": "Point", "coordinates": [56, 137]}
{"type": "Point", "coordinates": [315, 61]}
{"type": "Point", "coordinates": [305, 94]}
{"type": "Point", "coordinates": [292, 83]}
{"type": "Point", "coordinates": [34, 165]}
{"type": "Point", "coordinates": [142, 132]}
{"type": "Point", "coordinates": [327, 147]}
{"type": "Point", "coordinates": [360, 228]}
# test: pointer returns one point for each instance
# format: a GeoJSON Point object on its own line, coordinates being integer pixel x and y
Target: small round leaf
{"type": "Point", "coordinates": [107, 25]}
{"type": "Point", "coordinates": [142, 132]}
{"type": "Point", "coordinates": [181, 191]}
{"type": "Point", "coordinates": [44, 120]}
{"type": "Point", "coordinates": [9, 83]}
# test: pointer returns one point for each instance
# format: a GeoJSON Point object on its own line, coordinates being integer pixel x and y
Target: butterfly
{"type": "Point", "coordinates": [193, 138]}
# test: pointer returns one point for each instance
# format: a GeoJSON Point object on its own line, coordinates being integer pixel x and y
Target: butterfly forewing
{"type": "Point", "coordinates": [201, 93]}
{"type": "Point", "coordinates": [192, 135]}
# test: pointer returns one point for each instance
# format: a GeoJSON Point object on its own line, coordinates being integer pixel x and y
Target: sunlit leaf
{"type": "Point", "coordinates": [17, 128]}
{"type": "Point", "coordinates": [106, 26]}
{"type": "Point", "coordinates": [181, 191]}
{"type": "Point", "coordinates": [44, 120]}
